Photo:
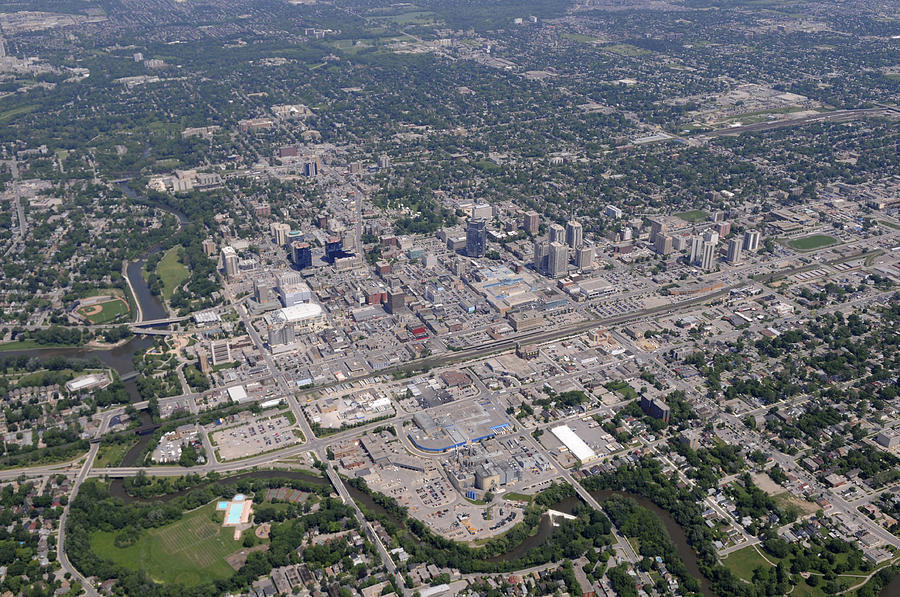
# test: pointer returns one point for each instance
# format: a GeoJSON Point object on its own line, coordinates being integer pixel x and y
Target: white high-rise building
{"type": "Point", "coordinates": [734, 250]}
{"type": "Point", "coordinates": [708, 259]}
{"type": "Point", "coordinates": [557, 233]}
{"type": "Point", "coordinates": [696, 250]}
{"type": "Point", "coordinates": [558, 261]}
{"type": "Point", "coordinates": [280, 232]}
{"type": "Point", "coordinates": [584, 257]}
{"type": "Point", "coordinates": [751, 240]}
{"type": "Point", "coordinates": [711, 236]}
{"type": "Point", "coordinates": [574, 234]}
{"type": "Point", "coordinates": [230, 261]}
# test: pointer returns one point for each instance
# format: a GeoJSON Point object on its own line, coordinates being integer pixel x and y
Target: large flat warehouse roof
{"type": "Point", "coordinates": [575, 444]}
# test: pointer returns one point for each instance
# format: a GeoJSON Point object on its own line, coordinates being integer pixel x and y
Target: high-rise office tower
{"type": "Point", "coordinates": [557, 234]}
{"type": "Point", "coordinates": [396, 301]}
{"type": "Point", "coordinates": [751, 240]}
{"type": "Point", "coordinates": [301, 254]}
{"type": "Point", "coordinates": [334, 248]}
{"type": "Point", "coordinates": [230, 261]}
{"type": "Point", "coordinates": [584, 257]}
{"type": "Point", "coordinates": [708, 260]}
{"type": "Point", "coordinates": [696, 250]}
{"type": "Point", "coordinates": [574, 234]}
{"type": "Point", "coordinates": [476, 237]}
{"type": "Point", "coordinates": [541, 252]}
{"type": "Point", "coordinates": [734, 250]}
{"type": "Point", "coordinates": [657, 227]}
{"type": "Point", "coordinates": [531, 222]}
{"type": "Point", "coordinates": [663, 244]}
{"type": "Point", "coordinates": [711, 236]}
{"type": "Point", "coordinates": [279, 232]}
{"type": "Point", "coordinates": [558, 260]}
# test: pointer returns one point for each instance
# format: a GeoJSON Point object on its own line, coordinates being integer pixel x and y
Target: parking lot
{"type": "Point", "coordinates": [255, 436]}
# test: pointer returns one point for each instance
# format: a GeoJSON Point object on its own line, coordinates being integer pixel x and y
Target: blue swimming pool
{"type": "Point", "coordinates": [234, 514]}
{"type": "Point", "coordinates": [221, 505]}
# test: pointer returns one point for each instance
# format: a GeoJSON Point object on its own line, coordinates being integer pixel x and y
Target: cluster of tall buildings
{"type": "Point", "coordinates": [705, 248]}
{"type": "Point", "coordinates": [551, 254]}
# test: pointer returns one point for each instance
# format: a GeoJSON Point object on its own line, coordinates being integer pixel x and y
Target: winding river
{"type": "Point", "coordinates": [120, 358]}
{"type": "Point", "coordinates": [674, 530]}
{"type": "Point", "coordinates": [545, 529]}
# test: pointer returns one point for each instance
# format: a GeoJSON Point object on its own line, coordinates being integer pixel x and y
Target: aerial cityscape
{"type": "Point", "coordinates": [585, 298]}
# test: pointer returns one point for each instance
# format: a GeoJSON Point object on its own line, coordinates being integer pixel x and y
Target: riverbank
{"type": "Point", "coordinates": [99, 345]}
{"type": "Point", "coordinates": [17, 345]}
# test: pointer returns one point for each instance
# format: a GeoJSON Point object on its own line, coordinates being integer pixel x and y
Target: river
{"type": "Point", "coordinates": [120, 358]}
{"type": "Point", "coordinates": [545, 529]}
{"type": "Point", "coordinates": [674, 530]}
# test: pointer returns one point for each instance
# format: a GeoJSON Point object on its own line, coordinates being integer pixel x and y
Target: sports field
{"type": "Point", "coordinates": [693, 216]}
{"type": "Point", "coordinates": [106, 312]}
{"type": "Point", "coordinates": [188, 552]}
{"type": "Point", "coordinates": [808, 243]}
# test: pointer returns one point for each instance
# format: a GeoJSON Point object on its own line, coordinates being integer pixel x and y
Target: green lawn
{"type": "Point", "coordinates": [112, 454]}
{"type": "Point", "coordinates": [172, 272]}
{"type": "Point", "coordinates": [815, 241]}
{"type": "Point", "coordinates": [744, 561]}
{"type": "Point", "coordinates": [29, 344]}
{"type": "Point", "coordinates": [517, 497]}
{"type": "Point", "coordinates": [626, 50]}
{"type": "Point", "coordinates": [189, 552]}
{"type": "Point", "coordinates": [693, 216]}
{"type": "Point", "coordinates": [889, 224]}
{"type": "Point", "coordinates": [585, 39]}
{"type": "Point", "coordinates": [417, 17]}
{"type": "Point", "coordinates": [15, 112]}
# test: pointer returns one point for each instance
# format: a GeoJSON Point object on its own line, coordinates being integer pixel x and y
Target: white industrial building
{"type": "Point", "coordinates": [87, 382]}
{"type": "Point", "coordinates": [238, 394]}
{"type": "Point", "coordinates": [574, 444]}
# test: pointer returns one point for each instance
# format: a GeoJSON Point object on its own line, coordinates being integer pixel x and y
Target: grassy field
{"type": "Point", "coordinates": [416, 17]}
{"type": "Point", "coordinates": [172, 272]}
{"type": "Point", "coordinates": [744, 561]}
{"type": "Point", "coordinates": [112, 455]}
{"type": "Point", "coordinates": [786, 499]}
{"type": "Point", "coordinates": [815, 241]}
{"type": "Point", "coordinates": [889, 224]}
{"type": "Point", "coordinates": [517, 497]}
{"type": "Point", "coordinates": [109, 311]}
{"type": "Point", "coordinates": [15, 112]}
{"type": "Point", "coordinates": [28, 345]}
{"type": "Point", "coordinates": [626, 50]}
{"type": "Point", "coordinates": [188, 552]}
{"type": "Point", "coordinates": [693, 216]}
